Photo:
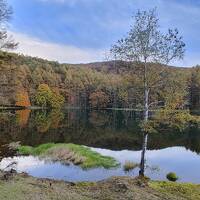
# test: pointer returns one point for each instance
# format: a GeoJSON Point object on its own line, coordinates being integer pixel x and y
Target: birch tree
{"type": "Point", "coordinates": [146, 44]}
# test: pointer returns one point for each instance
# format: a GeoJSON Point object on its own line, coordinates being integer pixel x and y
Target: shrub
{"type": "Point", "coordinates": [172, 176]}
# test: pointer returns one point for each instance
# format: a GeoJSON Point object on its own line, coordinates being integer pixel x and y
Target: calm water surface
{"type": "Point", "coordinates": [112, 133]}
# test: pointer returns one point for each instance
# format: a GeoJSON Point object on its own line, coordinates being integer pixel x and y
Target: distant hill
{"type": "Point", "coordinates": [118, 66]}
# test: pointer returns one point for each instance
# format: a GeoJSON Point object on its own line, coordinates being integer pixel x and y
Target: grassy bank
{"type": "Point", "coordinates": [180, 190]}
{"type": "Point", "coordinates": [70, 153]}
{"type": "Point", "coordinates": [21, 186]}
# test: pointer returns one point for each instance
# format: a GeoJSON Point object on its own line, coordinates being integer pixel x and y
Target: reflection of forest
{"type": "Point", "coordinates": [105, 129]}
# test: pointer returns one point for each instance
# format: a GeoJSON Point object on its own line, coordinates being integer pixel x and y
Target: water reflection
{"type": "Point", "coordinates": [22, 117]}
{"type": "Point", "coordinates": [160, 162]}
{"type": "Point", "coordinates": [104, 129]}
{"type": "Point", "coordinates": [117, 131]}
{"type": "Point", "coordinates": [46, 120]}
{"type": "Point", "coordinates": [144, 148]}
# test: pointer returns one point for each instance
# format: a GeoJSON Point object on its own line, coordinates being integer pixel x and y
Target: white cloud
{"type": "Point", "coordinates": [51, 51]}
{"type": "Point", "coordinates": [117, 27]}
{"type": "Point", "coordinates": [35, 47]}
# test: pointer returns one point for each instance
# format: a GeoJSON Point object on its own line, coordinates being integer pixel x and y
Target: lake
{"type": "Point", "coordinates": [111, 133]}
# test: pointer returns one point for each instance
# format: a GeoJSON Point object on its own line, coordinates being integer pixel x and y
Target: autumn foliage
{"type": "Point", "coordinates": [45, 97]}
{"type": "Point", "coordinates": [110, 84]}
{"type": "Point", "coordinates": [22, 99]}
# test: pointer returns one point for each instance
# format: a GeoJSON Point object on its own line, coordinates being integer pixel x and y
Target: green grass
{"type": "Point", "coordinates": [181, 190]}
{"type": "Point", "coordinates": [91, 159]}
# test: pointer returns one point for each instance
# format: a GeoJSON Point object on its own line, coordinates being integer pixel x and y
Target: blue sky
{"type": "Point", "coordinates": [83, 30]}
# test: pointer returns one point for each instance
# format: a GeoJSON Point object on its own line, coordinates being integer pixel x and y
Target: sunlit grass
{"type": "Point", "coordinates": [182, 190]}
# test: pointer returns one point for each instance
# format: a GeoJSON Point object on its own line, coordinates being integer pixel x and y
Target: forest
{"type": "Point", "coordinates": [26, 80]}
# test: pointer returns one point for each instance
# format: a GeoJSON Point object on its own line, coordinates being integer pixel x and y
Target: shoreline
{"type": "Point", "coordinates": [22, 186]}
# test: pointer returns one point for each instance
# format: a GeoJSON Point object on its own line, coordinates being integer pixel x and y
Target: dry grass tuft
{"type": "Point", "coordinates": [128, 166]}
{"type": "Point", "coordinates": [64, 155]}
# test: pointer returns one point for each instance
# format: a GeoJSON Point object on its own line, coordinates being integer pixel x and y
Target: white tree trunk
{"type": "Point", "coordinates": [146, 94]}
{"type": "Point", "coordinates": [146, 104]}
{"type": "Point", "coordinates": [146, 117]}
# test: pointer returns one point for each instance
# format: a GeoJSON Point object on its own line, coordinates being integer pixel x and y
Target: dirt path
{"type": "Point", "coordinates": [22, 187]}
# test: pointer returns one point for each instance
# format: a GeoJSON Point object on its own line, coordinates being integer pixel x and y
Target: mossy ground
{"type": "Point", "coordinates": [24, 187]}
{"type": "Point", "coordinates": [77, 154]}
{"type": "Point", "coordinates": [180, 190]}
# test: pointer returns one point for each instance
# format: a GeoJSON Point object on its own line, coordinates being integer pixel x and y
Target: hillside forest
{"type": "Point", "coordinates": [27, 81]}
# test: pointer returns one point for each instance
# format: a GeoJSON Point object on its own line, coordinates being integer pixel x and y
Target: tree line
{"type": "Point", "coordinates": [23, 78]}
